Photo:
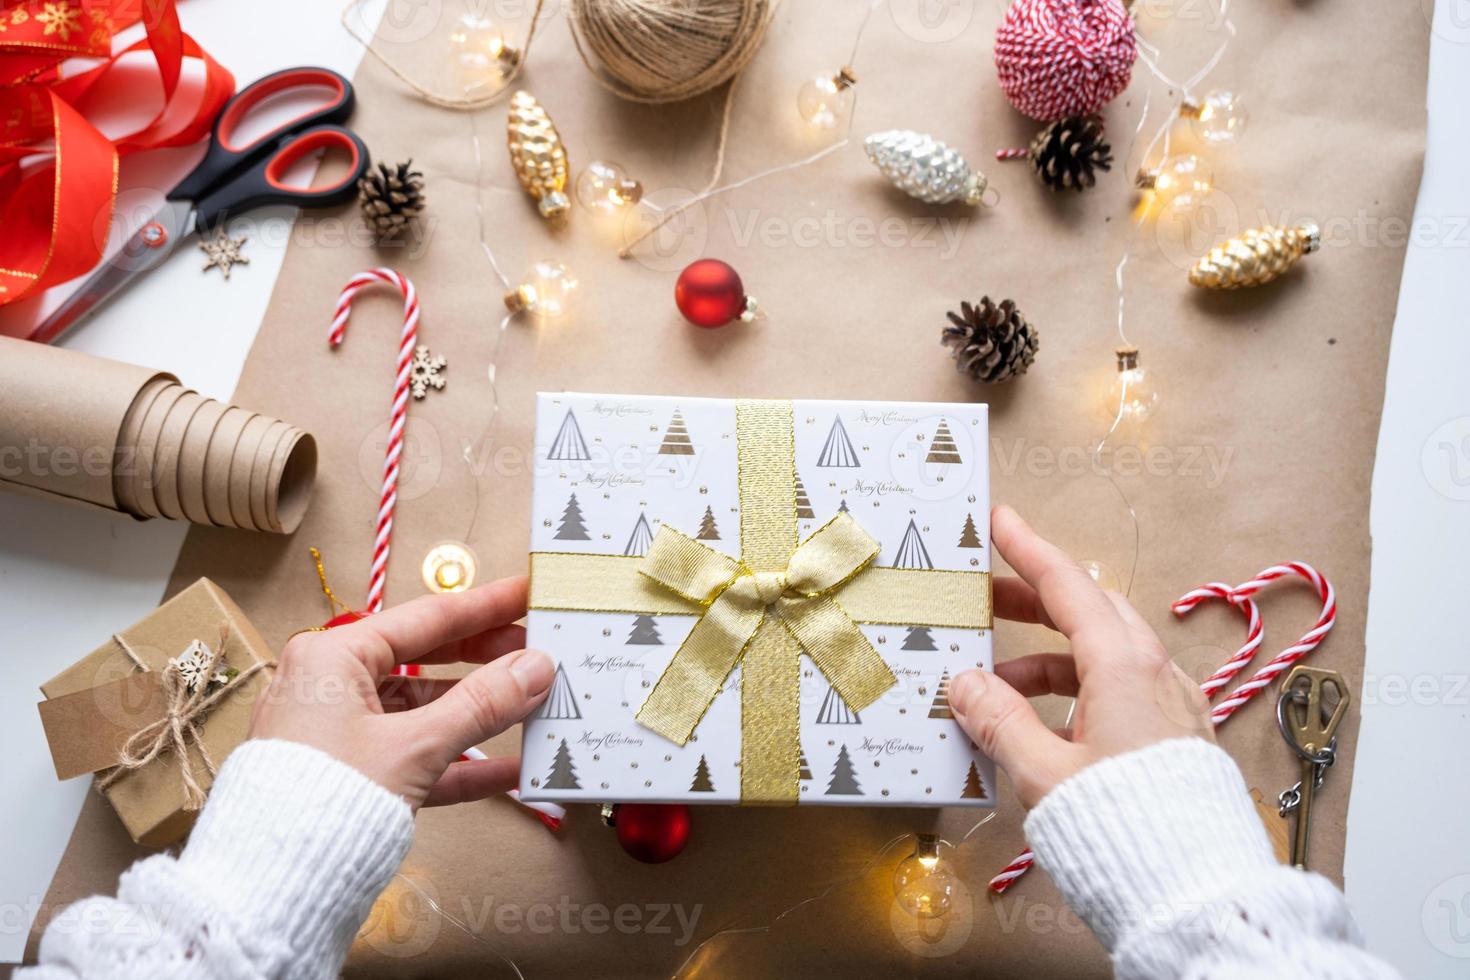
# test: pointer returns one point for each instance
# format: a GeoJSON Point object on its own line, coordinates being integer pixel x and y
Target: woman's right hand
{"type": "Point", "coordinates": [1129, 693]}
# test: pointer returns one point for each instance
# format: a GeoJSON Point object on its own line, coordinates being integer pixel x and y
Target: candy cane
{"type": "Point", "coordinates": [1242, 597]}
{"type": "Point", "coordinates": [1254, 633]}
{"type": "Point", "coordinates": [548, 813]}
{"type": "Point", "coordinates": [1278, 664]}
{"type": "Point", "coordinates": [379, 570]}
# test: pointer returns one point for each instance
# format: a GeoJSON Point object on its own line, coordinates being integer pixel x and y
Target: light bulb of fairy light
{"type": "Point", "coordinates": [825, 100]}
{"type": "Point", "coordinates": [1180, 178]}
{"type": "Point", "coordinates": [545, 291]}
{"type": "Point", "coordinates": [479, 56]}
{"type": "Point", "coordinates": [605, 188]}
{"type": "Point", "coordinates": [449, 567]}
{"type": "Point", "coordinates": [1218, 118]}
{"type": "Point", "coordinates": [1131, 397]}
{"type": "Point", "coordinates": [922, 882]}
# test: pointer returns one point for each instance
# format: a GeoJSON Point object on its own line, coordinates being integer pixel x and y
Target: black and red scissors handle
{"type": "Point", "coordinates": [236, 176]}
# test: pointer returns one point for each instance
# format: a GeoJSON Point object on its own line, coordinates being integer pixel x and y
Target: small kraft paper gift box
{"type": "Point", "coordinates": [195, 660]}
{"type": "Point", "coordinates": [757, 602]}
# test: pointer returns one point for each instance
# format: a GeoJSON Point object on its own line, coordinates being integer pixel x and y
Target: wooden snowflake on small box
{"type": "Point", "coordinates": [426, 372]}
{"type": "Point", "coordinates": [192, 664]}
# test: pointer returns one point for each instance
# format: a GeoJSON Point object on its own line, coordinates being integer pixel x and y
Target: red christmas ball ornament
{"type": "Point", "coordinates": [710, 294]}
{"type": "Point", "coordinates": [652, 832]}
{"type": "Point", "coordinates": [342, 619]}
{"type": "Point", "coordinates": [1059, 58]}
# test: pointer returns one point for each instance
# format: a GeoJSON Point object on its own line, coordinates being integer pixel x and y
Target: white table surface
{"type": "Point", "coordinates": [68, 576]}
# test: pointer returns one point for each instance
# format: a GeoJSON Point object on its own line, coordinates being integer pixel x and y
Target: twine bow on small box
{"type": "Point", "coordinates": [189, 695]}
{"type": "Point", "coordinates": [762, 609]}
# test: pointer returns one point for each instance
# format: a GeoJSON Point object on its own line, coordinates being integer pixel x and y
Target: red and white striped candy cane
{"type": "Point", "coordinates": [1283, 660]}
{"type": "Point", "coordinates": [1254, 633]}
{"type": "Point", "coordinates": [1242, 597]}
{"type": "Point", "coordinates": [378, 573]}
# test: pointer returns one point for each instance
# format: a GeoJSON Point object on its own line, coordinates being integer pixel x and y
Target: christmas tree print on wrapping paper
{"type": "Point", "coordinates": [804, 510]}
{"type": "Point", "coordinates": [919, 638]}
{"type": "Point", "coordinates": [844, 777]}
{"type": "Point", "coordinates": [970, 536]}
{"type": "Point", "coordinates": [942, 448]}
{"type": "Point", "coordinates": [676, 438]}
{"type": "Point", "coordinates": [940, 707]}
{"type": "Point", "coordinates": [561, 703]}
{"type": "Point", "coordinates": [974, 786]}
{"type": "Point", "coordinates": [641, 539]}
{"type": "Point", "coordinates": [838, 450]}
{"type": "Point", "coordinates": [834, 710]}
{"type": "Point", "coordinates": [645, 633]}
{"type": "Point", "coordinates": [563, 774]}
{"type": "Point", "coordinates": [708, 530]}
{"type": "Point", "coordinates": [569, 446]}
{"type": "Point", "coordinates": [572, 528]}
{"type": "Point", "coordinates": [702, 782]}
{"type": "Point", "coordinates": [911, 550]}
{"type": "Point", "coordinates": [804, 769]}
{"type": "Point", "coordinates": [913, 554]}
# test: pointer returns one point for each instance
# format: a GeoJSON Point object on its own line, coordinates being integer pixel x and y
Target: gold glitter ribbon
{"type": "Point", "coordinates": [763, 609]}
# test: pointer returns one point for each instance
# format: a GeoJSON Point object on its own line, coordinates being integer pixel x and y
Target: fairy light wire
{"type": "Point", "coordinates": [423, 91]}
{"type": "Point", "coordinates": [459, 923]}
{"type": "Point", "coordinates": [473, 451]}
{"type": "Point", "coordinates": [710, 191]}
{"type": "Point", "coordinates": [1148, 53]}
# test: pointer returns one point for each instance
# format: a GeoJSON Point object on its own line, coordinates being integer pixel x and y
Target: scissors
{"type": "Point", "coordinates": [232, 177]}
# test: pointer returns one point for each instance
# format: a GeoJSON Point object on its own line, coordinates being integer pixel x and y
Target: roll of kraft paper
{"type": "Point", "coordinates": [124, 438]}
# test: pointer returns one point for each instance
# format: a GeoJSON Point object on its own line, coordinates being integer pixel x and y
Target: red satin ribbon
{"type": "Point", "coordinates": [58, 172]}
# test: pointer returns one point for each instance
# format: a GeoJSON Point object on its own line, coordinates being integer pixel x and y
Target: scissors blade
{"type": "Point", "coordinates": [146, 250]}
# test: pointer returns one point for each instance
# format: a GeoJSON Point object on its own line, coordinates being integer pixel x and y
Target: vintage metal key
{"type": "Point", "coordinates": [1309, 721]}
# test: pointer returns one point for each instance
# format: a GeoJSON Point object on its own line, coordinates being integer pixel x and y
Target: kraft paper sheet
{"type": "Point", "coordinates": [1261, 450]}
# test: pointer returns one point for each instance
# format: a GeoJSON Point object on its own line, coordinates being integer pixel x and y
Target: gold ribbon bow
{"type": "Point", "coordinates": [737, 600]}
{"type": "Point", "coordinates": [761, 610]}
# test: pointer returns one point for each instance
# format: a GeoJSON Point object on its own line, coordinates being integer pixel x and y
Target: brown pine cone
{"type": "Point", "coordinates": [992, 342]}
{"type": "Point", "coordinates": [391, 197]}
{"type": "Point", "coordinates": [1070, 152]}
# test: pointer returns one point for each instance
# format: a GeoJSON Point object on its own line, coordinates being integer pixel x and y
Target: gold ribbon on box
{"type": "Point", "coordinates": [761, 610]}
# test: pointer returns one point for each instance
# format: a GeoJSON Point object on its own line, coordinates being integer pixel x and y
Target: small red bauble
{"type": "Point", "coordinates": [343, 619]}
{"type": "Point", "coordinates": [710, 294]}
{"type": "Point", "coordinates": [652, 832]}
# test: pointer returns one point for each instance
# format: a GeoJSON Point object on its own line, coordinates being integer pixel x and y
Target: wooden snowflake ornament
{"type": "Point", "coordinates": [426, 372]}
{"type": "Point", "coordinates": [192, 664]}
{"type": "Point", "coordinates": [223, 252]}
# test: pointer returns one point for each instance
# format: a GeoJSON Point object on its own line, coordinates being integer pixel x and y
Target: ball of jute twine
{"type": "Point", "coordinates": [667, 50]}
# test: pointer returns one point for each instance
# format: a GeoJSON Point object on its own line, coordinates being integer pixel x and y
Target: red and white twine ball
{"type": "Point", "coordinates": [1059, 58]}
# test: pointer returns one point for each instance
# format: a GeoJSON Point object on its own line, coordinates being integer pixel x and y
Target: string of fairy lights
{"type": "Point", "coordinates": [1171, 186]}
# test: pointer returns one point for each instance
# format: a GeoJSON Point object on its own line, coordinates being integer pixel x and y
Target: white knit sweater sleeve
{"type": "Point", "coordinates": [1162, 853]}
{"type": "Point", "coordinates": [278, 875]}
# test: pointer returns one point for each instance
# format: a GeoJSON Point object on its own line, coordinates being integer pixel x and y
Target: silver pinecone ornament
{"type": "Point", "coordinates": [923, 167]}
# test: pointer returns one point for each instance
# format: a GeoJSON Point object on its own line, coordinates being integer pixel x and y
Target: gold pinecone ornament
{"type": "Point", "coordinates": [1256, 257]}
{"type": "Point", "coordinates": [538, 155]}
{"type": "Point", "coordinates": [390, 198]}
{"type": "Point", "coordinates": [991, 342]}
